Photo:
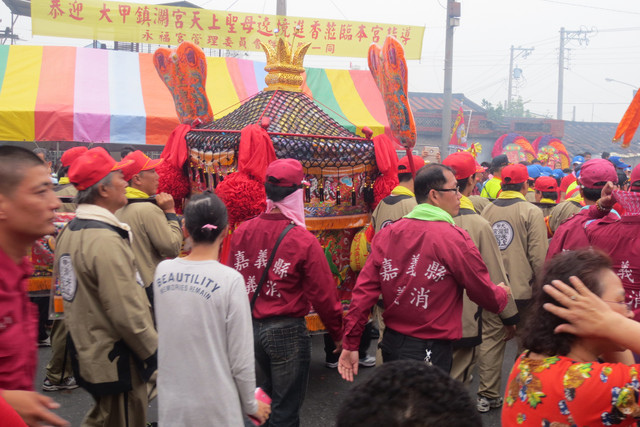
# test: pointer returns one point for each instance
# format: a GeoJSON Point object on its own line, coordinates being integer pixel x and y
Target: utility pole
{"type": "Point", "coordinates": [281, 8]}
{"type": "Point", "coordinates": [565, 37]}
{"type": "Point", "coordinates": [521, 51]}
{"type": "Point", "coordinates": [560, 75]}
{"type": "Point", "coordinates": [453, 20]}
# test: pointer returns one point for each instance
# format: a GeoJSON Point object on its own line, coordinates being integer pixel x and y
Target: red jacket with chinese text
{"type": "Point", "coordinates": [298, 277]}
{"type": "Point", "coordinates": [571, 234]}
{"type": "Point", "coordinates": [421, 268]}
{"type": "Point", "coordinates": [620, 239]}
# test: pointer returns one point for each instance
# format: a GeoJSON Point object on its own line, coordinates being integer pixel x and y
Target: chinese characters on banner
{"type": "Point", "coordinates": [167, 25]}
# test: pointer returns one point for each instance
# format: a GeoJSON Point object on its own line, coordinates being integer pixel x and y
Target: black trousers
{"type": "Point", "coordinates": [365, 342]}
{"type": "Point", "coordinates": [397, 346]}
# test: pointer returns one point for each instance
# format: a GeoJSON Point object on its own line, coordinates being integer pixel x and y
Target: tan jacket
{"type": "Point", "coordinates": [482, 235]}
{"type": "Point", "coordinates": [562, 212]}
{"type": "Point", "coordinates": [66, 190]}
{"type": "Point", "coordinates": [106, 307]}
{"type": "Point", "coordinates": [546, 208]}
{"type": "Point", "coordinates": [479, 203]}
{"type": "Point", "coordinates": [391, 209]}
{"type": "Point", "coordinates": [521, 233]}
{"type": "Point", "coordinates": [530, 196]}
{"type": "Point", "coordinates": [156, 236]}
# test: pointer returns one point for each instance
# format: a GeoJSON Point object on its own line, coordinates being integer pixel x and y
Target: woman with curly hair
{"type": "Point", "coordinates": [570, 376]}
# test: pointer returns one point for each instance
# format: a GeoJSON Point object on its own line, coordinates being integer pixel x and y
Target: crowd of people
{"type": "Point", "coordinates": [462, 258]}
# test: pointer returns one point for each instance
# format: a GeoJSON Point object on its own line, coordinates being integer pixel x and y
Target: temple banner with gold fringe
{"type": "Point", "coordinates": [168, 25]}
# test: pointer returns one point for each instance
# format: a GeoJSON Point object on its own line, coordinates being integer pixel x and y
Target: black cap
{"type": "Point", "coordinates": [499, 161]}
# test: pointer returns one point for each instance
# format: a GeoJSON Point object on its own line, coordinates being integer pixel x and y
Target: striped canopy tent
{"type": "Point", "coordinates": [52, 93]}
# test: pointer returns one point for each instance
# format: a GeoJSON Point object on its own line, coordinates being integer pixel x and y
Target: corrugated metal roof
{"type": "Point", "coordinates": [422, 101]}
{"type": "Point", "coordinates": [595, 137]}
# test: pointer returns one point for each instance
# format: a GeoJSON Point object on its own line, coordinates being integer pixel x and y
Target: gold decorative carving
{"type": "Point", "coordinates": [284, 66]}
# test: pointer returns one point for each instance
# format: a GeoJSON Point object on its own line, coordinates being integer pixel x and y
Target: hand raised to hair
{"type": "Point", "coordinates": [586, 313]}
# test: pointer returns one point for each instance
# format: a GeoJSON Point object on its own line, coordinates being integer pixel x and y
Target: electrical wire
{"type": "Point", "coordinates": [338, 9]}
{"type": "Point", "coordinates": [591, 7]}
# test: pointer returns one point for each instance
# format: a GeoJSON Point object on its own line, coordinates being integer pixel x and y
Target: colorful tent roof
{"type": "Point", "coordinates": [51, 93]}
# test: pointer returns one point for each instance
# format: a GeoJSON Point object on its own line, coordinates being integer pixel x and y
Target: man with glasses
{"type": "Point", "coordinates": [421, 264]}
{"type": "Point", "coordinates": [521, 233]}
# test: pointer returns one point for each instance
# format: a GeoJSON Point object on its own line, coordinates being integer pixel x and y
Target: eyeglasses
{"type": "Point", "coordinates": [628, 304]}
{"type": "Point", "coordinates": [456, 190]}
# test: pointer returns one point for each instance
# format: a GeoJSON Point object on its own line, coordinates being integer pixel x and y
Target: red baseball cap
{"type": "Point", "coordinates": [285, 173]}
{"type": "Point", "coordinates": [546, 184]}
{"type": "Point", "coordinates": [92, 166]}
{"type": "Point", "coordinates": [140, 162]}
{"type": "Point", "coordinates": [514, 174]}
{"type": "Point", "coordinates": [404, 167]}
{"type": "Point", "coordinates": [71, 154]}
{"type": "Point", "coordinates": [634, 179]}
{"type": "Point", "coordinates": [463, 163]}
{"type": "Point", "coordinates": [596, 172]}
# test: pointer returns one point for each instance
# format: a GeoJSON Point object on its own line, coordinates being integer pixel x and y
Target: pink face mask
{"type": "Point", "coordinates": [291, 206]}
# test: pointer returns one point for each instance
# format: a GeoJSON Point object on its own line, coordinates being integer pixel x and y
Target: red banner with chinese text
{"type": "Point", "coordinates": [168, 25]}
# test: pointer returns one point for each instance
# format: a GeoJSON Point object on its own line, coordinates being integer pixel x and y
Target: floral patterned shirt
{"type": "Point", "coordinates": [558, 392]}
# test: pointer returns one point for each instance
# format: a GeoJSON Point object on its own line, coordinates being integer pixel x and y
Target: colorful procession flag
{"type": "Point", "coordinates": [458, 134]}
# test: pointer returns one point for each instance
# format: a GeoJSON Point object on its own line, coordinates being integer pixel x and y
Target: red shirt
{"type": "Point", "coordinates": [572, 234]}
{"type": "Point", "coordinates": [619, 239]}
{"type": "Point", "coordinates": [421, 268]}
{"type": "Point", "coordinates": [9, 416]}
{"type": "Point", "coordinates": [566, 182]}
{"type": "Point", "coordinates": [18, 326]}
{"type": "Point", "coordinates": [558, 391]}
{"type": "Point", "coordinates": [299, 275]}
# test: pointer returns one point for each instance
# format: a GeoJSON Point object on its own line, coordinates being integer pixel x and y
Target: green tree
{"type": "Point", "coordinates": [499, 113]}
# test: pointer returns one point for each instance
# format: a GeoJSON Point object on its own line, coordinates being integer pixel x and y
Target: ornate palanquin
{"type": "Point", "coordinates": [347, 173]}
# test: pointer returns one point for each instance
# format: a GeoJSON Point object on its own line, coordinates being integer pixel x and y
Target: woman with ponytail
{"type": "Point", "coordinates": [205, 335]}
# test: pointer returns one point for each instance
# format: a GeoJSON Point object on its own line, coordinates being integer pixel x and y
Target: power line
{"type": "Point", "coordinates": [591, 7]}
{"type": "Point", "coordinates": [343, 15]}
{"type": "Point", "coordinates": [580, 103]}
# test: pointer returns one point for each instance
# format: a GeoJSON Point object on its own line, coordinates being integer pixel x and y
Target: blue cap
{"type": "Point", "coordinates": [557, 174]}
{"type": "Point", "coordinates": [534, 171]}
{"type": "Point", "coordinates": [545, 171]}
{"type": "Point", "coordinates": [618, 163]}
{"type": "Point", "coordinates": [577, 159]}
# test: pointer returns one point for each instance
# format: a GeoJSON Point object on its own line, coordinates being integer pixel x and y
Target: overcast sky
{"type": "Point", "coordinates": [488, 28]}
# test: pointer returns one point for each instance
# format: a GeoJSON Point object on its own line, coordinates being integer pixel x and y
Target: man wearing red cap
{"type": "Point", "coordinates": [480, 328]}
{"type": "Point", "coordinates": [157, 233]}
{"type": "Point", "coordinates": [402, 200]}
{"type": "Point", "coordinates": [618, 237]}
{"type": "Point", "coordinates": [64, 187]}
{"type": "Point", "coordinates": [298, 277]}
{"type": "Point", "coordinates": [571, 234]}
{"type": "Point", "coordinates": [521, 233]}
{"type": "Point", "coordinates": [58, 372]}
{"type": "Point", "coordinates": [546, 193]}
{"type": "Point", "coordinates": [27, 211]}
{"type": "Point", "coordinates": [421, 264]}
{"type": "Point", "coordinates": [113, 343]}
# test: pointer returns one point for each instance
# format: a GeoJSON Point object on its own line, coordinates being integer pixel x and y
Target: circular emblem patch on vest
{"type": "Point", "coordinates": [386, 223]}
{"type": "Point", "coordinates": [68, 282]}
{"type": "Point", "coordinates": [504, 234]}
